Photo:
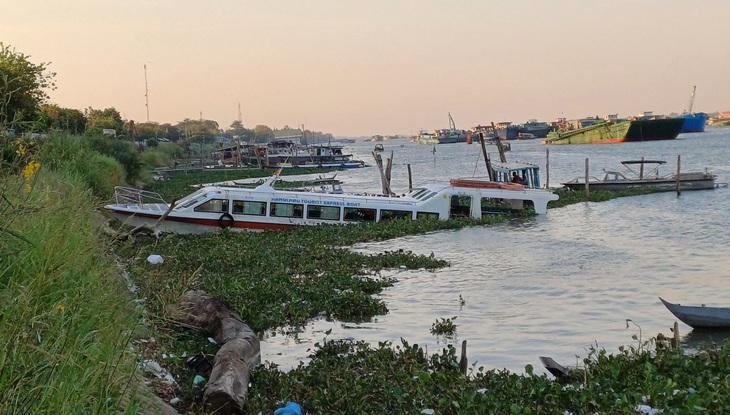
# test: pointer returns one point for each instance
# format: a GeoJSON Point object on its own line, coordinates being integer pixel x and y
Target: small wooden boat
{"type": "Point", "coordinates": [630, 178]}
{"type": "Point", "coordinates": [700, 317]}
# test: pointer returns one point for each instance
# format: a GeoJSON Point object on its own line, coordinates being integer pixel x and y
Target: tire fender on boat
{"type": "Point", "coordinates": [226, 221]}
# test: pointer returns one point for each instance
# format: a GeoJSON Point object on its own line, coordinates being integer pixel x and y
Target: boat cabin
{"type": "Point", "coordinates": [528, 173]}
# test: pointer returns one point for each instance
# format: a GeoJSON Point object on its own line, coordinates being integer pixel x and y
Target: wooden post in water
{"type": "Point", "coordinates": [676, 336]}
{"type": "Point", "coordinates": [464, 361]}
{"type": "Point", "coordinates": [410, 178]}
{"type": "Point", "coordinates": [498, 143]}
{"type": "Point", "coordinates": [486, 156]}
{"type": "Point", "coordinates": [641, 169]}
{"type": "Point", "coordinates": [547, 167]}
{"type": "Point", "coordinates": [679, 191]}
{"type": "Point", "coordinates": [588, 190]}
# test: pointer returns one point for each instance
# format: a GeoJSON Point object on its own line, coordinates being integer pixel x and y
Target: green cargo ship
{"type": "Point", "coordinates": [619, 132]}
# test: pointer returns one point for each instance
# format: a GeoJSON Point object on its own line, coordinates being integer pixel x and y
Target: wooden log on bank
{"type": "Point", "coordinates": [226, 390]}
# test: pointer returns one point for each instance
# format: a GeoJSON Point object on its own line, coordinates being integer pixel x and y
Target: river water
{"type": "Point", "coordinates": [554, 285]}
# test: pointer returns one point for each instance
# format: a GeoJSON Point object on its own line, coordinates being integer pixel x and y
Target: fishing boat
{"type": "Point", "coordinates": [265, 207]}
{"type": "Point", "coordinates": [605, 132]}
{"type": "Point", "coordinates": [645, 173]}
{"type": "Point", "coordinates": [700, 317]}
{"type": "Point", "coordinates": [533, 129]}
{"type": "Point", "coordinates": [443, 136]}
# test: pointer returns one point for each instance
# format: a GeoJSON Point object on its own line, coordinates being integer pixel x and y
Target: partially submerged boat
{"type": "Point", "coordinates": [700, 317]}
{"type": "Point", "coordinates": [619, 132]}
{"type": "Point", "coordinates": [636, 175]}
{"type": "Point", "coordinates": [265, 207]}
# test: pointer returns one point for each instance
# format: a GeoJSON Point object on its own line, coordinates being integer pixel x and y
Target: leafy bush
{"type": "Point", "coordinates": [102, 174]}
{"type": "Point", "coordinates": [126, 153]}
{"type": "Point", "coordinates": [70, 153]}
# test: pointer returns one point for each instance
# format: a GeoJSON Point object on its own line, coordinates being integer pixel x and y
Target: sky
{"type": "Point", "coordinates": [360, 68]}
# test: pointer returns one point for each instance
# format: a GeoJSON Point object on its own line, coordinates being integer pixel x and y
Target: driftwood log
{"type": "Point", "coordinates": [226, 390]}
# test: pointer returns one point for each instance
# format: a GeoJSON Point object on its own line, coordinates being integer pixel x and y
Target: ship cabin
{"type": "Point", "coordinates": [528, 173]}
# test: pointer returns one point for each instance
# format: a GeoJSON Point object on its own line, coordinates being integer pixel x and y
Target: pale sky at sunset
{"type": "Point", "coordinates": [358, 68]}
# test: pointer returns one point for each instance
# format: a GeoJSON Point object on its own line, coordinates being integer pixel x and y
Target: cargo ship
{"type": "Point", "coordinates": [619, 132]}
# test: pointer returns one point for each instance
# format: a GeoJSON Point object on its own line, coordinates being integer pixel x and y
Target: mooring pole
{"type": "Point", "coordinates": [410, 178]}
{"type": "Point", "coordinates": [486, 156]}
{"type": "Point", "coordinates": [679, 191]}
{"type": "Point", "coordinates": [464, 361]}
{"type": "Point", "coordinates": [588, 191]}
{"type": "Point", "coordinates": [547, 167]}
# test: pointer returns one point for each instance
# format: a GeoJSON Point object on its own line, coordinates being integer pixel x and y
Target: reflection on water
{"type": "Point", "coordinates": [551, 285]}
{"type": "Point", "coordinates": [695, 339]}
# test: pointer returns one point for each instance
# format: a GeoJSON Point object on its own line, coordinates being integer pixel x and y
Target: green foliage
{"type": "Point", "coordinates": [55, 118]}
{"type": "Point", "coordinates": [569, 197]}
{"type": "Point", "coordinates": [124, 152]}
{"type": "Point", "coordinates": [98, 120]}
{"type": "Point", "coordinates": [102, 174]}
{"type": "Point", "coordinates": [64, 317]}
{"type": "Point", "coordinates": [62, 152]}
{"type": "Point", "coordinates": [444, 327]}
{"type": "Point", "coordinates": [22, 85]}
{"type": "Point", "coordinates": [156, 158]}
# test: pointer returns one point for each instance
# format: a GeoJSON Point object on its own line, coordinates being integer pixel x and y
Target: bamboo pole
{"type": "Point", "coordinates": [588, 190]}
{"type": "Point", "coordinates": [679, 191]}
{"type": "Point", "coordinates": [547, 167]}
{"type": "Point", "coordinates": [486, 156]}
{"type": "Point", "coordinates": [641, 169]}
{"type": "Point", "coordinates": [410, 178]}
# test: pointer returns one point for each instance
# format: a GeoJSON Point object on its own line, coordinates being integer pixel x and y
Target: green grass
{"type": "Point", "coordinates": [65, 320]}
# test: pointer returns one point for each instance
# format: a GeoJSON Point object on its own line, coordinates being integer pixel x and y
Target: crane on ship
{"type": "Point", "coordinates": [451, 123]}
{"type": "Point", "coordinates": [692, 100]}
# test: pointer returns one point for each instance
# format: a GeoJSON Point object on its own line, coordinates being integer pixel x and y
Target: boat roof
{"type": "Point", "coordinates": [643, 162]}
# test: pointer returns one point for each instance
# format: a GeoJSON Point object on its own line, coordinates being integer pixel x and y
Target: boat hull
{"type": "Point", "coordinates": [236, 208]}
{"type": "Point", "coordinates": [688, 181]}
{"type": "Point", "coordinates": [700, 317]}
{"type": "Point", "coordinates": [694, 123]}
{"type": "Point", "coordinates": [625, 131]}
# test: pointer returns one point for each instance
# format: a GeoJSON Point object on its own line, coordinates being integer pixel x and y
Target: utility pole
{"type": "Point", "coordinates": [146, 95]}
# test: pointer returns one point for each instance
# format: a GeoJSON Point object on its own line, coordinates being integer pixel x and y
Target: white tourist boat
{"type": "Point", "coordinates": [264, 207]}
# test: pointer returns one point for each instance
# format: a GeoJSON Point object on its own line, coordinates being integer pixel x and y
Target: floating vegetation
{"type": "Point", "coordinates": [444, 327]}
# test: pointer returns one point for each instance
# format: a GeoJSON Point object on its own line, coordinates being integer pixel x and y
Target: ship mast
{"type": "Point", "coordinates": [692, 99]}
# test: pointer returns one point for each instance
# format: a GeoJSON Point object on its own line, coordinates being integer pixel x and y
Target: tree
{"type": "Point", "coordinates": [22, 85]}
{"type": "Point", "coordinates": [262, 133]}
{"type": "Point", "coordinates": [70, 120]}
{"type": "Point", "coordinates": [197, 130]}
{"type": "Point", "coordinates": [98, 120]}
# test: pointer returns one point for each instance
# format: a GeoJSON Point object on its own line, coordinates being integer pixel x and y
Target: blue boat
{"type": "Point", "coordinates": [694, 123]}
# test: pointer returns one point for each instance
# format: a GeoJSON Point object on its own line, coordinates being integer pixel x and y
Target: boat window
{"type": "Point", "coordinates": [213, 205]}
{"type": "Point", "coordinates": [419, 193]}
{"type": "Point", "coordinates": [193, 199]}
{"type": "Point", "coordinates": [395, 214]}
{"type": "Point", "coordinates": [287, 210]}
{"type": "Point", "coordinates": [245, 207]}
{"type": "Point", "coordinates": [360, 214]}
{"type": "Point", "coordinates": [427, 215]}
{"type": "Point", "coordinates": [323, 212]}
{"type": "Point", "coordinates": [491, 206]}
{"type": "Point", "coordinates": [460, 206]}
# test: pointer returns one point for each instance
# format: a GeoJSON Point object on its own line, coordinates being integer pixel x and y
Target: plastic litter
{"type": "Point", "coordinates": [198, 380]}
{"type": "Point", "coordinates": [199, 363]}
{"type": "Point", "coordinates": [291, 408]}
{"type": "Point", "coordinates": [155, 259]}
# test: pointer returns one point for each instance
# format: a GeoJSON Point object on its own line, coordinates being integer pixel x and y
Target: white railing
{"type": "Point", "coordinates": [132, 196]}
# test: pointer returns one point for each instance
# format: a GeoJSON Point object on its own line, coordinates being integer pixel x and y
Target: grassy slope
{"type": "Point", "coordinates": [65, 320]}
